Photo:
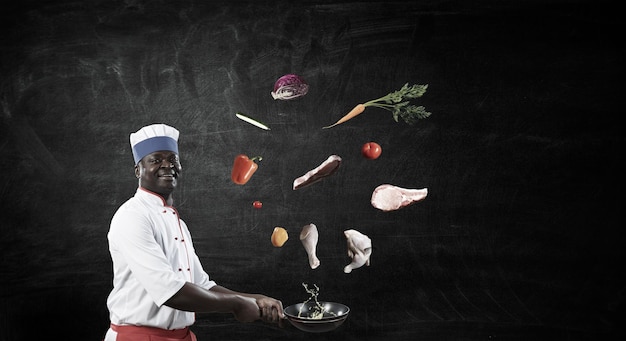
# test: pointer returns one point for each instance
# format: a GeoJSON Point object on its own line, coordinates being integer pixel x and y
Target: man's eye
{"type": "Point", "coordinates": [155, 161]}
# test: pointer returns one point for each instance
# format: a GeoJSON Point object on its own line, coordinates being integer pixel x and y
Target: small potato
{"type": "Point", "coordinates": [279, 236]}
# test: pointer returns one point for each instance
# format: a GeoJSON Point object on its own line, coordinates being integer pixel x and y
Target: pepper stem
{"type": "Point", "coordinates": [258, 157]}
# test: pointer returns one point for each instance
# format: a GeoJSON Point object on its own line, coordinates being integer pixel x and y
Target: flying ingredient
{"type": "Point", "coordinates": [394, 102]}
{"type": "Point", "coordinates": [325, 169]}
{"type": "Point", "coordinates": [243, 168]}
{"type": "Point", "coordinates": [289, 87]}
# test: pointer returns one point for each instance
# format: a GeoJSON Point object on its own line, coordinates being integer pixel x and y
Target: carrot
{"type": "Point", "coordinates": [396, 102]}
{"type": "Point", "coordinates": [358, 109]}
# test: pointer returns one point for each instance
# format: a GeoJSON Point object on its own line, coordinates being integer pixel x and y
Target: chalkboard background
{"type": "Point", "coordinates": [519, 237]}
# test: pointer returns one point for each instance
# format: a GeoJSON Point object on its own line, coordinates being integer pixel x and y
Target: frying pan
{"type": "Point", "coordinates": [334, 316]}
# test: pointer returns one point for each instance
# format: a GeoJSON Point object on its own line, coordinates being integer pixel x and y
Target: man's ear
{"type": "Point", "coordinates": [137, 171]}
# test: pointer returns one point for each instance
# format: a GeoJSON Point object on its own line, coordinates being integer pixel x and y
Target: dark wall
{"type": "Point", "coordinates": [519, 237]}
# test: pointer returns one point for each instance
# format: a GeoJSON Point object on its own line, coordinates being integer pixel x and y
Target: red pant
{"type": "Point", "coordinates": [136, 333]}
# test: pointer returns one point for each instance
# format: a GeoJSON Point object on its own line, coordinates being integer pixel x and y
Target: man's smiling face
{"type": "Point", "coordinates": [158, 172]}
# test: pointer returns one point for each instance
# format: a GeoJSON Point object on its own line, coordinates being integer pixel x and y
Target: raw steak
{"type": "Point", "coordinates": [389, 197]}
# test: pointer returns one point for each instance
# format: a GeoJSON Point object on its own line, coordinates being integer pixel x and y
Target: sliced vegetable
{"type": "Point", "coordinates": [279, 236]}
{"type": "Point", "coordinates": [289, 86]}
{"type": "Point", "coordinates": [394, 102]}
{"type": "Point", "coordinates": [252, 121]}
{"type": "Point", "coordinates": [243, 168]}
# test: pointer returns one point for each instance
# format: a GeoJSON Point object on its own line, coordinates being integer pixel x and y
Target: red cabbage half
{"type": "Point", "coordinates": [289, 86]}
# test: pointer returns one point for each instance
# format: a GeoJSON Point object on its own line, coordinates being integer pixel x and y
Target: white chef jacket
{"type": "Point", "coordinates": [153, 257]}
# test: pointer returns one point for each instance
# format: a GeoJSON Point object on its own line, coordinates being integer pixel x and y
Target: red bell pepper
{"type": "Point", "coordinates": [243, 168]}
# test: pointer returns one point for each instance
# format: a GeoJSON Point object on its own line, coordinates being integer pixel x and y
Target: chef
{"type": "Point", "coordinates": [158, 281]}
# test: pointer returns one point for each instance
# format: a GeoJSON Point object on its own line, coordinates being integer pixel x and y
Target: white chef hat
{"type": "Point", "coordinates": [153, 138]}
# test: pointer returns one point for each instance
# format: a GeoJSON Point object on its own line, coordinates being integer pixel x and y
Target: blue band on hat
{"type": "Point", "coordinates": [154, 144]}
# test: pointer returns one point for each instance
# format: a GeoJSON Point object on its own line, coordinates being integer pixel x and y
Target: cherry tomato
{"type": "Point", "coordinates": [371, 150]}
{"type": "Point", "coordinates": [257, 204]}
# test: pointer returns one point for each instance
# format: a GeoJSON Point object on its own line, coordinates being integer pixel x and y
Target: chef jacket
{"type": "Point", "coordinates": [153, 257]}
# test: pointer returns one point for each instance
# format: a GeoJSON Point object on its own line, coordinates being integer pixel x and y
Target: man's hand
{"type": "Point", "coordinates": [271, 309]}
{"type": "Point", "coordinates": [252, 307]}
{"type": "Point", "coordinates": [246, 309]}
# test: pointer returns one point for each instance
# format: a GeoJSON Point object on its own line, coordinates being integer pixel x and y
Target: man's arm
{"type": "Point", "coordinates": [245, 307]}
{"type": "Point", "coordinates": [194, 298]}
{"type": "Point", "coordinates": [271, 308]}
